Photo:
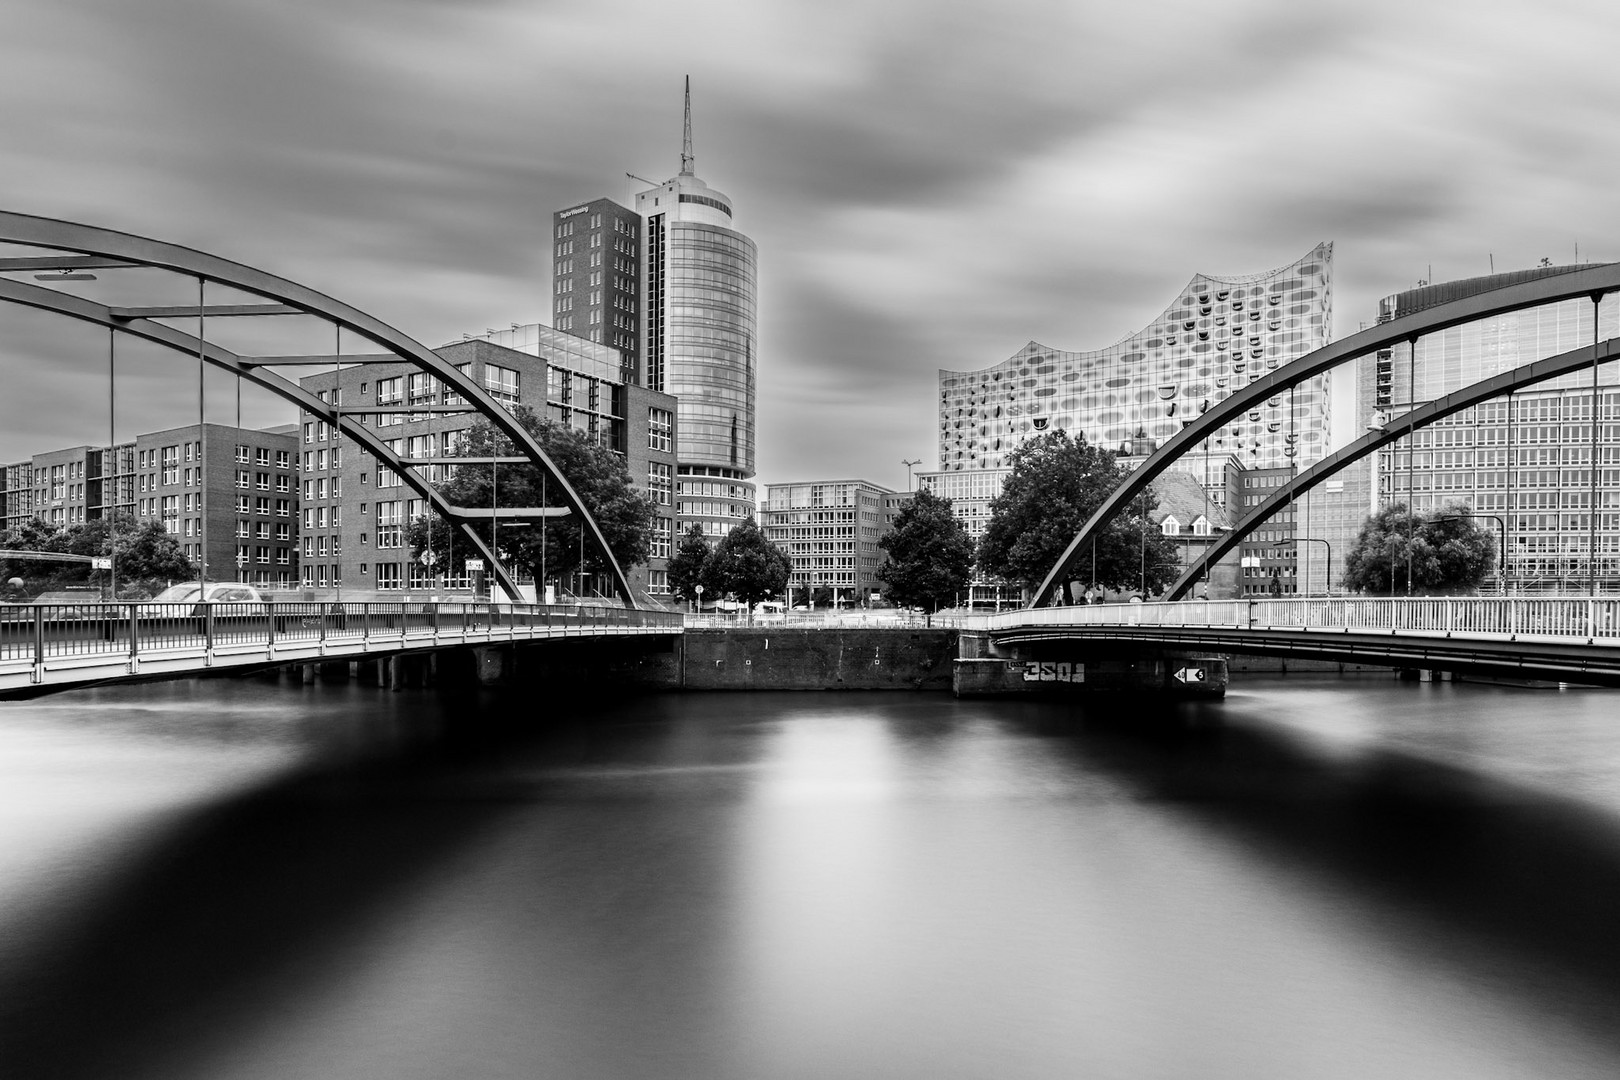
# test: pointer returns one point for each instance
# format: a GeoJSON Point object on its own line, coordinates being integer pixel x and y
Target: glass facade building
{"type": "Point", "coordinates": [699, 333]}
{"type": "Point", "coordinates": [1218, 335]}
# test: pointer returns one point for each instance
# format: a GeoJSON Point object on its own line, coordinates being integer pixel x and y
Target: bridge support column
{"type": "Point", "coordinates": [1060, 672]}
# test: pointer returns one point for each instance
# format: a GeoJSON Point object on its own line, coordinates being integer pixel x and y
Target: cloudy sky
{"type": "Point", "coordinates": [931, 184]}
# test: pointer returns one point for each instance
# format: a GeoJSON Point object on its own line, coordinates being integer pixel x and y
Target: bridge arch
{"type": "Point", "coordinates": [1593, 282]}
{"type": "Point", "coordinates": [1370, 443]}
{"type": "Point", "coordinates": [98, 248]}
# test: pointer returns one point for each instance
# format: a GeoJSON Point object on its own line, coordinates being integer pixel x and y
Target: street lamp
{"type": "Point", "coordinates": [908, 463]}
{"type": "Point", "coordinates": [1329, 575]}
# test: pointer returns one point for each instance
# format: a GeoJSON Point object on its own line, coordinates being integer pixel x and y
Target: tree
{"type": "Point", "coordinates": [554, 549]}
{"type": "Point", "coordinates": [686, 565]}
{"type": "Point", "coordinates": [1055, 485]}
{"type": "Point", "coordinates": [1448, 551]}
{"type": "Point", "coordinates": [746, 566]}
{"type": "Point", "coordinates": [144, 552]}
{"type": "Point", "coordinates": [146, 556]}
{"type": "Point", "coordinates": [930, 555]}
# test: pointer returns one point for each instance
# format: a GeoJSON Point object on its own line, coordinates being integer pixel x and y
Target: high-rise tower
{"type": "Point", "coordinates": [596, 274]}
{"type": "Point", "coordinates": [698, 334]}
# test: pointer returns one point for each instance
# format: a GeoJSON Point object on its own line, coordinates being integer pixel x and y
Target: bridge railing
{"type": "Point", "coordinates": [40, 632]}
{"type": "Point", "coordinates": [1584, 618]}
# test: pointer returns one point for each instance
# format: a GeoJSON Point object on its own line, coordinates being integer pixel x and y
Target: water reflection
{"type": "Point", "coordinates": [1339, 880]}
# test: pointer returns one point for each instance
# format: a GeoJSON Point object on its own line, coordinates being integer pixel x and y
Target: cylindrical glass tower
{"type": "Point", "coordinates": [698, 344]}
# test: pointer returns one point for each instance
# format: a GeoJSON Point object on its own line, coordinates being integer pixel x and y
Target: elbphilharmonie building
{"type": "Point", "coordinates": [1217, 335]}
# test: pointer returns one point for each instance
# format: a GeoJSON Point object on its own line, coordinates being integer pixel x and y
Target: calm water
{"type": "Point", "coordinates": [1337, 879]}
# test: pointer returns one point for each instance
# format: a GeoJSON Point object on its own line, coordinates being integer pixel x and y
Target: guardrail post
{"type": "Point", "coordinates": [433, 618]}
{"type": "Point", "coordinates": [1249, 613]}
{"type": "Point", "coordinates": [134, 628]}
{"type": "Point", "coordinates": [1451, 612]}
{"type": "Point", "coordinates": [39, 638]}
{"type": "Point", "coordinates": [1591, 620]}
{"type": "Point", "coordinates": [269, 623]}
{"type": "Point", "coordinates": [208, 626]}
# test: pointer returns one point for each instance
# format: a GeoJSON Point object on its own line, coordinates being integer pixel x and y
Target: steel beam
{"type": "Point", "coordinates": [509, 513]}
{"type": "Point", "coordinates": [210, 311]}
{"type": "Point", "coordinates": [330, 360]}
{"type": "Point", "coordinates": [63, 262]}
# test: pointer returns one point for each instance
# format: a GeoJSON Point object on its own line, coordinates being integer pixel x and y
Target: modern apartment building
{"type": "Point", "coordinates": [356, 510]}
{"type": "Point", "coordinates": [1524, 463]}
{"type": "Point", "coordinates": [59, 487]}
{"type": "Point", "coordinates": [1218, 335]}
{"type": "Point", "coordinates": [228, 495]}
{"type": "Point", "coordinates": [830, 529]}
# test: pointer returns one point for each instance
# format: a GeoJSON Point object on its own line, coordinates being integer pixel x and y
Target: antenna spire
{"type": "Point", "coordinates": [686, 133]}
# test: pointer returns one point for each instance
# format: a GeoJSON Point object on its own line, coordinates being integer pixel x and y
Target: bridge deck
{"type": "Point", "coordinates": [56, 645]}
{"type": "Point", "coordinates": [1566, 638]}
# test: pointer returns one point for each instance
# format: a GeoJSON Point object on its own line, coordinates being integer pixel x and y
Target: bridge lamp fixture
{"type": "Point", "coordinates": [66, 275]}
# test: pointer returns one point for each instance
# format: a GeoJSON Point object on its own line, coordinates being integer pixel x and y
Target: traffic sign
{"type": "Point", "coordinates": [101, 562]}
{"type": "Point", "coordinates": [427, 558]}
{"type": "Point", "coordinates": [1191, 675]}
{"type": "Point", "coordinates": [475, 564]}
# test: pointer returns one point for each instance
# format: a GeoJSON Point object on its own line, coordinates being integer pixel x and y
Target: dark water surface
{"type": "Point", "coordinates": [1313, 879]}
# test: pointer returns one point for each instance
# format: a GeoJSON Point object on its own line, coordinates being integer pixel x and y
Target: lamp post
{"type": "Point", "coordinates": [1411, 457]}
{"type": "Point", "coordinates": [908, 463]}
{"type": "Point", "coordinates": [1328, 588]}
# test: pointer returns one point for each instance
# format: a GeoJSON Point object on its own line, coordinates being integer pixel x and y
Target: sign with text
{"type": "Point", "coordinates": [1054, 671]}
{"type": "Point", "coordinates": [474, 564]}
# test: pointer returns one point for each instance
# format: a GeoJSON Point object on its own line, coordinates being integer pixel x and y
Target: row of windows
{"type": "Point", "coordinates": [261, 530]}
{"type": "Point", "coordinates": [261, 554]}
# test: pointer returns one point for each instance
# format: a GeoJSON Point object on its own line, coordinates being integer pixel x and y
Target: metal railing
{"type": "Point", "coordinates": [41, 632]}
{"type": "Point", "coordinates": [849, 618]}
{"type": "Point", "coordinates": [1587, 619]}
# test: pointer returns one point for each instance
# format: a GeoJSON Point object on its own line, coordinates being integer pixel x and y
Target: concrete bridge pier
{"type": "Point", "coordinates": [1067, 668]}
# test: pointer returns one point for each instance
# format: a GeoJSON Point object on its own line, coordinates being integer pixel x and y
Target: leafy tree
{"type": "Point", "coordinates": [599, 476]}
{"type": "Point", "coordinates": [686, 565]}
{"type": "Point", "coordinates": [930, 555]}
{"type": "Point", "coordinates": [1448, 551]}
{"type": "Point", "coordinates": [142, 550]}
{"type": "Point", "coordinates": [1056, 484]}
{"type": "Point", "coordinates": [147, 557]}
{"type": "Point", "coordinates": [746, 566]}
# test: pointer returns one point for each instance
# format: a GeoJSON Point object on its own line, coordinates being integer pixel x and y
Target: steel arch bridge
{"type": "Point", "coordinates": [87, 247]}
{"type": "Point", "coordinates": [1370, 443]}
{"type": "Point", "coordinates": [1593, 282]}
